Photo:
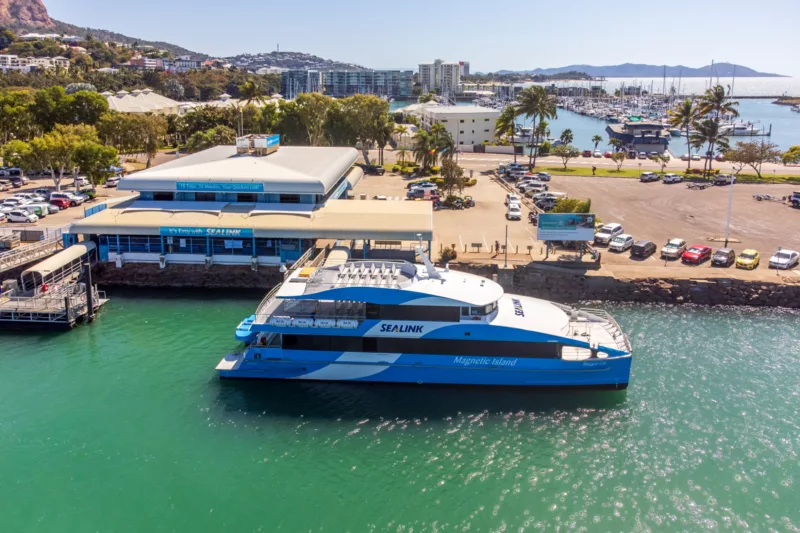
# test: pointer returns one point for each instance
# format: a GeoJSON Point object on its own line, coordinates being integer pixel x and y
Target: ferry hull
{"type": "Point", "coordinates": [609, 373]}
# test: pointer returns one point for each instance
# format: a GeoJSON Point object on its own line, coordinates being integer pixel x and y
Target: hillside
{"type": "Point", "coordinates": [632, 70]}
{"type": "Point", "coordinates": [31, 13]}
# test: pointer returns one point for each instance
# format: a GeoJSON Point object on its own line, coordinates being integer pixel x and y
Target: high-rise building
{"type": "Point", "coordinates": [464, 70]}
{"type": "Point", "coordinates": [427, 76]}
{"type": "Point", "coordinates": [394, 83]}
{"type": "Point", "coordinates": [440, 75]}
{"type": "Point", "coordinates": [294, 82]}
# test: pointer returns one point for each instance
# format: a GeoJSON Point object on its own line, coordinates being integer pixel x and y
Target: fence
{"type": "Point", "coordinates": [95, 209]}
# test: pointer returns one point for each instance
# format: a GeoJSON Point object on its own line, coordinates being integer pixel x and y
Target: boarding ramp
{"type": "Point", "coordinates": [25, 254]}
{"type": "Point", "coordinates": [64, 267]}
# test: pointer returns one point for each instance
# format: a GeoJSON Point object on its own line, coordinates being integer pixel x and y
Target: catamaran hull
{"type": "Point", "coordinates": [597, 373]}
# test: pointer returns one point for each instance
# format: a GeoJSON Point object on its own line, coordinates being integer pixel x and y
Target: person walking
{"type": "Point", "coordinates": [594, 169]}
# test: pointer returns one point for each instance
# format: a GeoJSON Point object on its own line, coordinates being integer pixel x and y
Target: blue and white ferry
{"type": "Point", "coordinates": [397, 322]}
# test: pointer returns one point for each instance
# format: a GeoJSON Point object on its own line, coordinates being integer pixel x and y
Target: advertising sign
{"type": "Point", "coordinates": [565, 227]}
{"type": "Point", "coordinates": [209, 186]}
{"type": "Point", "coordinates": [242, 233]}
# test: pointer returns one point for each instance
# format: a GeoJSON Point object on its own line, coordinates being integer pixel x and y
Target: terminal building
{"type": "Point", "coordinates": [255, 203]}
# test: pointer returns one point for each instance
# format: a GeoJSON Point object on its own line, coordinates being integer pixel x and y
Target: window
{"type": "Point", "coordinates": [486, 120]}
{"type": "Point", "coordinates": [246, 197]}
{"type": "Point", "coordinates": [461, 132]}
{"type": "Point", "coordinates": [485, 131]}
{"type": "Point", "coordinates": [425, 313]}
{"type": "Point", "coordinates": [444, 120]}
{"type": "Point", "coordinates": [205, 196]}
{"type": "Point", "coordinates": [473, 120]}
{"type": "Point", "coordinates": [290, 199]}
{"type": "Point", "coordinates": [473, 131]}
{"type": "Point", "coordinates": [163, 196]}
{"type": "Point", "coordinates": [462, 121]}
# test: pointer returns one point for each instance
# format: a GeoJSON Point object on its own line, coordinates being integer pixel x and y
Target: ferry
{"type": "Point", "coordinates": [399, 322]}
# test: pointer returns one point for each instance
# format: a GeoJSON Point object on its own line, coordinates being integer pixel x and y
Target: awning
{"type": "Point", "coordinates": [63, 258]}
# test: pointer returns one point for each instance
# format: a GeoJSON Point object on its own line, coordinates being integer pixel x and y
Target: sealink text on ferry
{"type": "Point", "coordinates": [396, 328]}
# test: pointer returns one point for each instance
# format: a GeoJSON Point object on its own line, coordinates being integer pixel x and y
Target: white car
{"type": "Point", "coordinates": [685, 157]}
{"type": "Point", "coordinates": [673, 178]}
{"type": "Point", "coordinates": [621, 243]}
{"type": "Point", "coordinates": [21, 216]}
{"type": "Point", "coordinates": [514, 212]}
{"type": "Point", "coordinates": [112, 182]}
{"type": "Point", "coordinates": [608, 232]}
{"type": "Point", "coordinates": [784, 259]}
{"type": "Point", "coordinates": [648, 176]}
{"type": "Point", "coordinates": [2, 217]}
{"type": "Point", "coordinates": [696, 157]}
{"type": "Point", "coordinates": [549, 196]}
{"type": "Point", "coordinates": [673, 249]}
{"type": "Point", "coordinates": [14, 201]}
{"type": "Point", "coordinates": [512, 198]}
{"type": "Point", "coordinates": [422, 186]}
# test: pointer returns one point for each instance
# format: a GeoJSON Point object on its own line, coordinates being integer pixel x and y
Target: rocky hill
{"type": "Point", "coordinates": [31, 13]}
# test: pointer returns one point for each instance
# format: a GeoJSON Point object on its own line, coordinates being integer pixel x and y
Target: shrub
{"type": "Point", "coordinates": [544, 148]}
{"type": "Point", "coordinates": [472, 182]}
{"type": "Point", "coordinates": [448, 254]}
{"type": "Point", "coordinates": [437, 181]}
{"type": "Point", "coordinates": [396, 168]}
{"type": "Point", "coordinates": [435, 169]}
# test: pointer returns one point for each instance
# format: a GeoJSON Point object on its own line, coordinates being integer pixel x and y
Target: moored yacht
{"type": "Point", "coordinates": [394, 321]}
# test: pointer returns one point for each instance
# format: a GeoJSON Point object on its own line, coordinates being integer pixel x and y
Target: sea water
{"type": "Point", "coordinates": [124, 426]}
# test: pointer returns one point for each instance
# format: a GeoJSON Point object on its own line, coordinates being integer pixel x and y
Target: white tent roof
{"type": "Point", "coordinates": [141, 101]}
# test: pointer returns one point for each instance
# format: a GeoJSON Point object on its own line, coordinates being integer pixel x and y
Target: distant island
{"type": "Point", "coordinates": [633, 70]}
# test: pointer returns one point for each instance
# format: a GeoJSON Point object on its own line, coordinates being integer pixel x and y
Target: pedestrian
{"type": "Point", "coordinates": [496, 247]}
{"type": "Point", "coordinates": [594, 169]}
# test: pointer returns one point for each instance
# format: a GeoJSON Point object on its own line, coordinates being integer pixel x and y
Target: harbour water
{"type": "Point", "coordinates": [123, 426]}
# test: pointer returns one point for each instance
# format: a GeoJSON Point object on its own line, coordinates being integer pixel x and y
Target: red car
{"type": "Point", "coordinates": [696, 254]}
{"type": "Point", "coordinates": [607, 155]}
{"type": "Point", "coordinates": [60, 203]}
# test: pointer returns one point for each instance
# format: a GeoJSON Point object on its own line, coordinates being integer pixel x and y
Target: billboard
{"type": "Point", "coordinates": [565, 227]}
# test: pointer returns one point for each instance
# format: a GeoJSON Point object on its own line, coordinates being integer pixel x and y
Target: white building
{"type": "Point", "coordinates": [464, 68]}
{"type": "Point", "coordinates": [441, 75]}
{"type": "Point", "coordinates": [468, 125]}
{"type": "Point", "coordinates": [27, 64]}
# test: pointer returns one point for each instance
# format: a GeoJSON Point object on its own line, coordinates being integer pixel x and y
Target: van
{"type": "Point", "coordinates": [37, 209]}
{"type": "Point", "coordinates": [81, 181]}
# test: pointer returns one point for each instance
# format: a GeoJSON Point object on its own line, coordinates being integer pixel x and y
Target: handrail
{"type": "Point", "coordinates": [25, 254]}
{"type": "Point", "coordinates": [268, 299]}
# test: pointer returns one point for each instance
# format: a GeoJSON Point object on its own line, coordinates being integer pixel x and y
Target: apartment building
{"type": "Point", "coordinates": [147, 63]}
{"type": "Point", "coordinates": [27, 64]}
{"type": "Point", "coordinates": [468, 125]}
{"type": "Point", "coordinates": [441, 75]}
{"type": "Point", "coordinates": [298, 81]}
{"type": "Point", "coordinates": [388, 83]}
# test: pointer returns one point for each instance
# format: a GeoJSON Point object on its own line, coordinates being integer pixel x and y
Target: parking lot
{"type": "Point", "coordinates": [653, 211]}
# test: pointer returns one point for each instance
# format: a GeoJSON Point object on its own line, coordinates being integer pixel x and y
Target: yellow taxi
{"type": "Point", "coordinates": [748, 259]}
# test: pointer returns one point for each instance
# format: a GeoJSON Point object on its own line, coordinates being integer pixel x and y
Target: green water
{"type": "Point", "coordinates": [123, 426]}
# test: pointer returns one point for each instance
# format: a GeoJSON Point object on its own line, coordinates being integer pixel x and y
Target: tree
{"type": "Point", "coordinates": [15, 118]}
{"type": "Point", "coordinates": [685, 116]}
{"type": "Point", "coordinates": [424, 149]}
{"type": "Point", "coordinates": [565, 152]}
{"type": "Point", "coordinates": [427, 97]}
{"type": "Point", "coordinates": [453, 176]}
{"type": "Point", "coordinates": [313, 109]}
{"type": "Point", "coordinates": [401, 130]}
{"type": "Point", "coordinates": [596, 140]}
{"type": "Point", "coordinates": [753, 154]}
{"type": "Point", "coordinates": [402, 153]}
{"type": "Point", "coordinates": [83, 107]}
{"type": "Point", "coordinates": [445, 147]}
{"type": "Point", "coordinates": [662, 160]}
{"type": "Point", "coordinates": [252, 92]}
{"type": "Point", "coordinates": [618, 158]}
{"type": "Point", "coordinates": [203, 140]}
{"type": "Point", "coordinates": [45, 107]}
{"type": "Point", "coordinates": [566, 136]}
{"type": "Point", "coordinates": [713, 105]}
{"type": "Point", "coordinates": [536, 104]}
{"type": "Point", "coordinates": [617, 144]}
{"type": "Point", "coordinates": [7, 38]}
{"type": "Point", "coordinates": [709, 133]}
{"type": "Point", "coordinates": [174, 89]}
{"type": "Point", "coordinates": [791, 156]}
{"type": "Point", "coordinates": [73, 88]}
{"type": "Point", "coordinates": [150, 130]}
{"type": "Point", "coordinates": [506, 126]}
{"type": "Point", "coordinates": [95, 160]}
{"type": "Point", "coordinates": [572, 205]}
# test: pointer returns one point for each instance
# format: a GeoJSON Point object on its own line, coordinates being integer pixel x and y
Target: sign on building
{"type": "Point", "coordinates": [565, 227]}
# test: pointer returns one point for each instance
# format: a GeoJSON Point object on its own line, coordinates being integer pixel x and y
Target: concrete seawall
{"type": "Point", "coordinates": [557, 284]}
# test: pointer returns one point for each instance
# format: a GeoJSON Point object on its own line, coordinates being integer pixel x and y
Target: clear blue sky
{"type": "Point", "coordinates": [516, 35]}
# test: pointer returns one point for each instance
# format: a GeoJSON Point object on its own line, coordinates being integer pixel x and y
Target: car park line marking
{"type": "Point", "coordinates": [460, 242]}
{"type": "Point", "coordinates": [533, 237]}
{"type": "Point", "coordinates": [486, 244]}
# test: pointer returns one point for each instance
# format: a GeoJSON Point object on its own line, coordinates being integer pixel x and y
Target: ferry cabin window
{"type": "Point", "coordinates": [205, 196]}
{"type": "Point", "coordinates": [419, 313]}
{"type": "Point", "coordinates": [163, 196]}
{"type": "Point", "coordinates": [452, 347]}
{"type": "Point", "coordinates": [246, 198]}
{"type": "Point", "coordinates": [290, 198]}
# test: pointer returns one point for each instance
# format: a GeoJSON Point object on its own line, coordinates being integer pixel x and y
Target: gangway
{"type": "Point", "coordinates": [29, 253]}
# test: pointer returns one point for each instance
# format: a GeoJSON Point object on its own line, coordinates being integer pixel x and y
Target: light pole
{"type": "Point", "coordinates": [505, 261]}
{"type": "Point", "coordinates": [640, 170]}
{"type": "Point", "coordinates": [730, 207]}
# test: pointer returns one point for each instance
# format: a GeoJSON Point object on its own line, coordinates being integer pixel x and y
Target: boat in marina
{"type": "Point", "coordinates": [739, 129]}
{"type": "Point", "coordinates": [398, 322]}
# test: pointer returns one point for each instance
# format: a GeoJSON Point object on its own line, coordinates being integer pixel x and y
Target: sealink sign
{"type": "Point", "coordinates": [244, 233]}
{"type": "Point", "coordinates": [396, 328]}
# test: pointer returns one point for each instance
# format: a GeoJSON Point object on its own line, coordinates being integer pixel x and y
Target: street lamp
{"type": "Point", "coordinates": [730, 207]}
{"type": "Point", "coordinates": [640, 170]}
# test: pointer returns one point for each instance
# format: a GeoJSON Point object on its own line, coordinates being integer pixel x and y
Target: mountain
{"type": "Point", "coordinates": [632, 70]}
{"type": "Point", "coordinates": [31, 13]}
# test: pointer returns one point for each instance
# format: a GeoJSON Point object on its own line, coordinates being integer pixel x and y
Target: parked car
{"type": "Point", "coordinates": [587, 153]}
{"type": "Point", "coordinates": [44, 193]}
{"type": "Point", "coordinates": [673, 178]}
{"type": "Point", "coordinates": [673, 249]}
{"type": "Point", "coordinates": [696, 254]}
{"type": "Point", "coordinates": [71, 198]}
{"type": "Point", "coordinates": [597, 153]}
{"type": "Point", "coordinates": [371, 169]}
{"type": "Point", "coordinates": [685, 157]}
{"type": "Point", "coordinates": [30, 197]}
{"type": "Point", "coordinates": [60, 203]}
{"type": "Point", "coordinates": [545, 205]}
{"type": "Point", "coordinates": [19, 181]}
{"type": "Point", "coordinates": [784, 259]}
{"type": "Point", "coordinates": [512, 198]}
{"type": "Point", "coordinates": [425, 186]}
{"type": "Point", "coordinates": [40, 210]}
{"type": "Point", "coordinates": [632, 154]}
{"type": "Point", "coordinates": [532, 187]}
{"type": "Point", "coordinates": [544, 176]}
{"type": "Point", "coordinates": [724, 257]}
{"type": "Point", "coordinates": [620, 243]}
{"type": "Point", "coordinates": [514, 212]}
{"type": "Point", "coordinates": [642, 155]}
{"type": "Point", "coordinates": [5, 185]}
{"type": "Point", "coordinates": [607, 154]}
{"type": "Point", "coordinates": [112, 182]}
{"type": "Point", "coordinates": [643, 249]}
{"type": "Point", "coordinates": [415, 184]}
{"type": "Point", "coordinates": [2, 217]}
{"type": "Point", "coordinates": [83, 181]}
{"type": "Point", "coordinates": [15, 201]}
{"type": "Point", "coordinates": [748, 259]}
{"type": "Point", "coordinates": [607, 233]}
{"type": "Point", "coordinates": [794, 199]}
{"type": "Point", "coordinates": [653, 155]}
{"type": "Point", "coordinates": [724, 179]}
{"type": "Point", "coordinates": [554, 196]}
{"type": "Point", "coordinates": [649, 176]}
{"type": "Point", "coordinates": [696, 157]}
{"type": "Point", "coordinates": [21, 216]}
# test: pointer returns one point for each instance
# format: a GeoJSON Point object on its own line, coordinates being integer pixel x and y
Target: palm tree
{"type": "Point", "coordinates": [443, 142]}
{"type": "Point", "coordinates": [402, 152]}
{"type": "Point", "coordinates": [536, 104]}
{"type": "Point", "coordinates": [596, 140]}
{"type": "Point", "coordinates": [252, 92]}
{"type": "Point", "coordinates": [715, 103]}
{"type": "Point", "coordinates": [616, 143]}
{"type": "Point", "coordinates": [506, 126]}
{"type": "Point", "coordinates": [401, 129]}
{"type": "Point", "coordinates": [566, 136]}
{"type": "Point", "coordinates": [709, 133]}
{"type": "Point", "coordinates": [685, 116]}
{"type": "Point", "coordinates": [424, 149]}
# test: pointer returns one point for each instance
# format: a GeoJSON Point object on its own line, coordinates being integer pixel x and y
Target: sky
{"type": "Point", "coordinates": [517, 35]}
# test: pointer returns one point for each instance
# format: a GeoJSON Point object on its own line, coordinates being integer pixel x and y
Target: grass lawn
{"type": "Point", "coordinates": [634, 173]}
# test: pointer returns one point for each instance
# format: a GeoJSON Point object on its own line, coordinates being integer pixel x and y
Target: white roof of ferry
{"type": "Point", "coordinates": [291, 169]}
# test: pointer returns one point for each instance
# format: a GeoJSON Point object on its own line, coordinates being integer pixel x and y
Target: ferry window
{"type": "Point", "coordinates": [205, 196]}
{"type": "Point", "coordinates": [163, 196]}
{"type": "Point", "coordinates": [426, 313]}
{"type": "Point", "coordinates": [290, 199]}
{"type": "Point", "coordinates": [373, 311]}
{"type": "Point", "coordinates": [246, 197]}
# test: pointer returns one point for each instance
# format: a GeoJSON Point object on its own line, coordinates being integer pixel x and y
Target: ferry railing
{"type": "Point", "coordinates": [262, 307]}
{"type": "Point", "coordinates": [301, 261]}
{"type": "Point", "coordinates": [316, 310]}
{"type": "Point", "coordinates": [612, 327]}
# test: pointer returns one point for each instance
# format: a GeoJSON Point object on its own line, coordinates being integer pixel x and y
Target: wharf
{"type": "Point", "coordinates": [58, 310]}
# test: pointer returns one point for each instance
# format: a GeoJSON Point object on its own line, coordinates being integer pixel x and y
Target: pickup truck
{"type": "Point", "coordinates": [724, 179]}
{"type": "Point", "coordinates": [794, 199]}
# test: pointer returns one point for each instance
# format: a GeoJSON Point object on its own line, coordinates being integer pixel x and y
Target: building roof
{"type": "Point", "coordinates": [61, 259]}
{"type": "Point", "coordinates": [461, 110]}
{"type": "Point", "coordinates": [144, 101]}
{"type": "Point", "coordinates": [291, 169]}
{"type": "Point", "coordinates": [338, 219]}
